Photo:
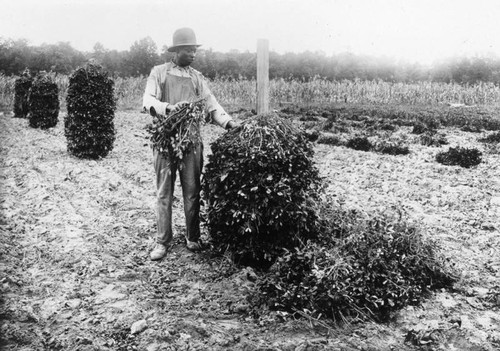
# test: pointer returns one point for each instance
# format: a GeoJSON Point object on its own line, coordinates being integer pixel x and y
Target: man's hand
{"type": "Point", "coordinates": [176, 107]}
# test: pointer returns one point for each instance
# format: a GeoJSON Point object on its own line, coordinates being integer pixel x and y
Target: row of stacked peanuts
{"type": "Point", "coordinates": [36, 98]}
{"type": "Point", "coordinates": [90, 104]}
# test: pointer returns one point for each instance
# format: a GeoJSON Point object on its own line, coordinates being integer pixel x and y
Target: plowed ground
{"type": "Point", "coordinates": [75, 236]}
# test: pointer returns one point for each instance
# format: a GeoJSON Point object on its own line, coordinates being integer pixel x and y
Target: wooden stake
{"type": "Point", "coordinates": [262, 76]}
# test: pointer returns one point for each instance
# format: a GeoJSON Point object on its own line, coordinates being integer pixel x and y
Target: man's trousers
{"type": "Point", "coordinates": [190, 168]}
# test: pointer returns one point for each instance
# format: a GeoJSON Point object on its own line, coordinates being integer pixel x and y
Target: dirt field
{"type": "Point", "coordinates": [76, 235]}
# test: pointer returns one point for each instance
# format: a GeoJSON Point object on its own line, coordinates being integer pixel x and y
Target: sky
{"type": "Point", "coordinates": [421, 31]}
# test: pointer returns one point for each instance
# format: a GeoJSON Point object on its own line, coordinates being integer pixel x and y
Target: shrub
{"type": "Point", "coordinates": [340, 127]}
{"type": "Point", "coordinates": [432, 123]}
{"type": "Point", "coordinates": [22, 87]}
{"type": "Point", "coordinates": [329, 123]}
{"type": "Point", "coordinates": [359, 143]}
{"type": "Point", "coordinates": [459, 156]}
{"type": "Point", "coordinates": [312, 135]}
{"type": "Point", "coordinates": [391, 148]}
{"type": "Point", "coordinates": [432, 139]}
{"type": "Point", "coordinates": [491, 138]}
{"type": "Point", "coordinates": [471, 128]}
{"type": "Point", "coordinates": [259, 186]}
{"type": "Point", "coordinates": [490, 123]}
{"type": "Point", "coordinates": [43, 102]}
{"type": "Point", "coordinates": [308, 118]}
{"type": "Point", "coordinates": [89, 126]}
{"type": "Point", "coordinates": [386, 126]}
{"type": "Point", "coordinates": [292, 109]}
{"type": "Point", "coordinates": [420, 128]}
{"type": "Point", "coordinates": [330, 139]}
{"type": "Point", "coordinates": [328, 114]}
{"type": "Point", "coordinates": [364, 268]}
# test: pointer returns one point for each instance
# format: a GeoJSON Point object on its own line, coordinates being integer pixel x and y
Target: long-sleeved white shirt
{"type": "Point", "coordinates": [155, 97]}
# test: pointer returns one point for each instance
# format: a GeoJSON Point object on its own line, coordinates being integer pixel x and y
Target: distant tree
{"type": "Point", "coordinates": [231, 66]}
{"type": "Point", "coordinates": [481, 70]}
{"type": "Point", "coordinates": [60, 58]}
{"type": "Point", "coordinates": [115, 62]}
{"type": "Point", "coordinates": [99, 52]}
{"type": "Point", "coordinates": [14, 56]}
{"type": "Point", "coordinates": [165, 55]}
{"type": "Point", "coordinates": [63, 57]}
{"type": "Point", "coordinates": [143, 55]}
{"type": "Point", "coordinates": [248, 63]}
{"type": "Point", "coordinates": [112, 61]}
{"type": "Point", "coordinates": [207, 63]}
{"type": "Point", "coordinates": [467, 70]}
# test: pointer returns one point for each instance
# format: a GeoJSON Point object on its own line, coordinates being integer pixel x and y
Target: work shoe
{"type": "Point", "coordinates": [194, 245]}
{"type": "Point", "coordinates": [158, 252]}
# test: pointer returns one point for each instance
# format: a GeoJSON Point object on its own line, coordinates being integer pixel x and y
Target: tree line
{"type": "Point", "coordinates": [16, 55]}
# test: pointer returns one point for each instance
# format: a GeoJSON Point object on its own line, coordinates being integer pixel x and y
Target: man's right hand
{"type": "Point", "coordinates": [176, 107]}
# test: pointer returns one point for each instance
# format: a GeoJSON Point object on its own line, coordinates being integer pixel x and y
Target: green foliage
{"type": "Point", "coordinates": [22, 87]}
{"type": "Point", "coordinates": [179, 132]}
{"type": "Point", "coordinates": [458, 156]}
{"type": "Point", "coordinates": [260, 186]}
{"type": "Point", "coordinates": [363, 268]}
{"type": "Point", "coordinates": [359, 143]}
{"type": "Point", "coordinates": [89, 126]}
{"type": "Point", "coordinates": [43, 102]}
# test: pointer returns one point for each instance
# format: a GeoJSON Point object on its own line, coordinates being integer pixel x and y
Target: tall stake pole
{"type": "Point", "coordinates": [262, 76]}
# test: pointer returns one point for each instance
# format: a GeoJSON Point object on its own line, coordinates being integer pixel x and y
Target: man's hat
{"type": "Point", "coordinates": [183, 37]}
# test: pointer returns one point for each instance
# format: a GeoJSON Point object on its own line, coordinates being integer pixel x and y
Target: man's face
{"type": "Point", "coordinates": [186, 55]}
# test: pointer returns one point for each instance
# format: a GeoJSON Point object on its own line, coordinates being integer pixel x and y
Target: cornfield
{"type": "Point", "coordinates": [319, 91]}
{"type": "Point", "coordinates": [242, 93]}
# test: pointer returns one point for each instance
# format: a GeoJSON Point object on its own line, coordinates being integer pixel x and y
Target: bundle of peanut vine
{"type": "Point", "coordinates": [179, 132]}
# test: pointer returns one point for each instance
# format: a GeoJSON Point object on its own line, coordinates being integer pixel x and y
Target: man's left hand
{"type": "Point", "coordinates": [232, 124]}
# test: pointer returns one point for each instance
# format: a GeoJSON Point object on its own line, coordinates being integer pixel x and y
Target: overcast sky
{"type": "Point", "coordinates": [415, 30]}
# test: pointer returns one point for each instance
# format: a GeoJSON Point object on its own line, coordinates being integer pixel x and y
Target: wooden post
{"type": "Point", "coordinates": [262, 76]}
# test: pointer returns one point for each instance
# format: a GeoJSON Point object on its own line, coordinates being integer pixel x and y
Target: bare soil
{"type": "Point", "coordinates": [75, 237]}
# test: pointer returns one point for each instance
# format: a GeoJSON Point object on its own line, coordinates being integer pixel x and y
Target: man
{"type": "Point", "coordinates": [169, 87]}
